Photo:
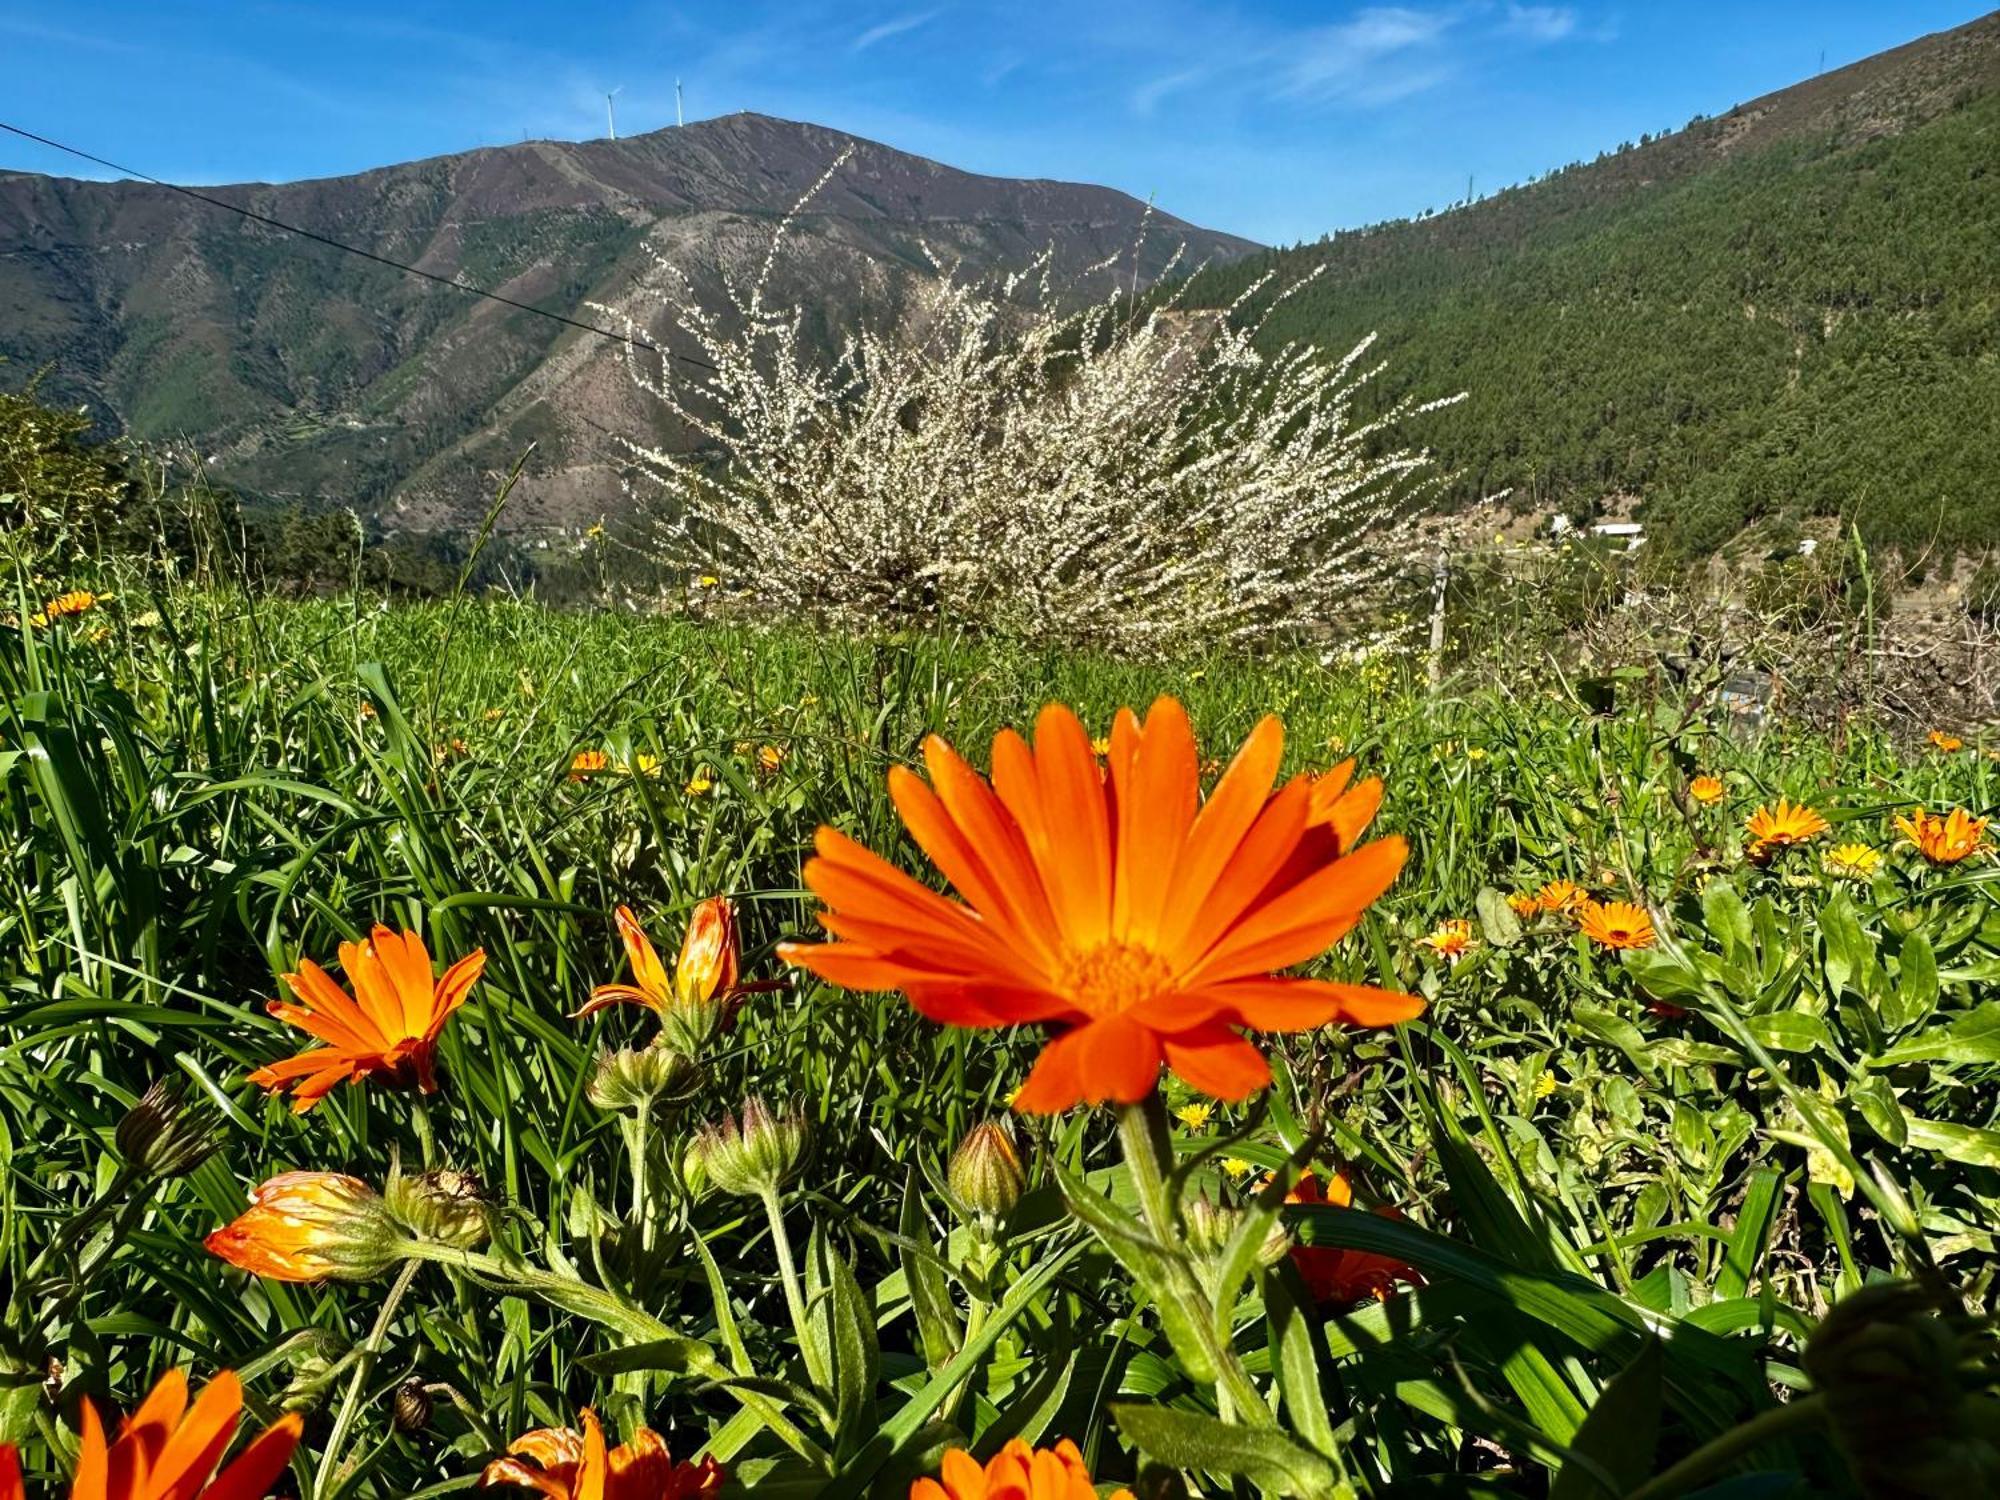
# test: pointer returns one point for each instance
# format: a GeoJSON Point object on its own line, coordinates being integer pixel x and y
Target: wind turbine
{"type": "Point", "coordinates": [677, 104]}
{"type": "Point", "coordinates": [610, 114]}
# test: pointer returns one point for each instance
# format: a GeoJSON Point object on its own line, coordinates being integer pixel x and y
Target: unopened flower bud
{"type": "Point", "coordinates": [748, 1157]}
{"type": "Point", "coordinates": [1208, 1225]}
{"type": "Point", "coordinates": [640, 1079]}
{"type": "Point", "coordinates": [1908, 1393]}
{"type": "Point", "coordinates": [445, 1206]}
{"type": "Point", "coordinates": [410, 1407]}
{"type": "Point", "coordinates": [985, 1174]}
{"type": "Point", "coordinates": [164, 1136]}
{"type": "Point", "coordinates": [312, 1226]}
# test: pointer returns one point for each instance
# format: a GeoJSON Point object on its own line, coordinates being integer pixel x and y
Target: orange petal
{"type": "Point", "coordinates": [1223, 823]}
{"type": "Point", "coordinates": [198, 1441]}
{"type": "Point", "coordinates": [1156, 788]}
{"type": "Point", "coordinates": [1306, 920]}
{"type": "Point", "coordinates": [317, 991]}
{"type": "Point", "coordinates": [1238, 889]}
{"type": "Point", "coordinates": [452, 990]}
{"type": "Point", "coordinates": [1075, 855]}
{"type": "Point", "coordinates": [1277, 1003]}
{"type": "Point", "coordinates": [408, 964]}
{"type": "Point", "coordinates": [648, 972]}
{"type": "Point", "coordinates": [1218, 1062]}
{"type": "Point", "coordinates": [257, 1467]}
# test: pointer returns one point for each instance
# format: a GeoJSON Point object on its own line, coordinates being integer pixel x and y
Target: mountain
{"type": "Point", "coordinates": [306, 375]}
{"type": "Point", "coordinates": [1779, 316]}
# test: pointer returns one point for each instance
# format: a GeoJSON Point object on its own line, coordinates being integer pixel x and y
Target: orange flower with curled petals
{"type": "Point", "coordinates": [565, 1464]}
{"type": "Point", "coordinates": [1616, 924]}
{"type": "Point", "coordinates": [1944, 840]}
{"type": "Point", "coordinates": [1950, 744]}
{"type": "Point", "coordinates": [1706, 789]}
{"type": "Point", "coordinates": [1774, 828]}
{"type": "Point", "coordinates": [1146, 923]}
{"type": "Point", "coordinates": [388, 1029]}
{"type": "Point", "coordinates": [588, 763]}
{"type": "Point", "coordinates": [310, 1226]}
{"type": "Point", "coordinates": [1336, 1275]}
{"type": "Point", "coordinates": [1561, 895]}
{"type": "Point", "coordinates": [1523, 904]}
{"type": "Point", "coordinates": [168, 1450]}
{"type": "Point", "coordinates": [705, 972]}
{"type": "Point", "coordinates": [1016, 1472]}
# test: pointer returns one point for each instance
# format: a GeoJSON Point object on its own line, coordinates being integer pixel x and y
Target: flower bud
{"type": "Point", "coordinates": [312, 1226]}
{"type": "Point", "coordinates": [985, 1176]}
{"type": "Point", "coordinates": [1208, 1225]}
{"type": "Point", "coordinates": [1908, 1399]}
{"type": "Point", "coordinates": [750, 1157]}
{"type": "Point", "coordinates": [639, 1079]}
{"type": "Point", "coordinates": [704, 978]}
{"type": "Point", "coordinates": [164, 1136]}
{"type": "Point", "coordinates": [410, 1407]}
{"type": "Point", "coordinates": [445, 1206]}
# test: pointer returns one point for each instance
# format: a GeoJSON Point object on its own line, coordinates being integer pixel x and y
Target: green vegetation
{"type": "Point", "coordinates": [1799, 328]}
{"type": "Point", "coordinates": [1715, 1139]}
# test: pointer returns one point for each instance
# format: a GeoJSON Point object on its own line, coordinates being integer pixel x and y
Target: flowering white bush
{"type": "Point", "coordinates": [1133, 478]}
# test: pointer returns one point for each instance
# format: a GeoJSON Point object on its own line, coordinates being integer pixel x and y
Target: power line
{"type": "Point", "coordinates": [380, 260]}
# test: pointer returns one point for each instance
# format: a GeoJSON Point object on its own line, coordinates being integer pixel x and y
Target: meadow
{"type": "Point", "coordinates": [1644, 1203]}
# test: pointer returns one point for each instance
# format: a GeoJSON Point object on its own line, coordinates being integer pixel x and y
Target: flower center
{"type": "Point", "coordinates": [1115, 976]}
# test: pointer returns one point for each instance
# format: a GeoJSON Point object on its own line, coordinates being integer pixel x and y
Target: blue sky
{"type": "Point", "coordinates": [1277, 119]}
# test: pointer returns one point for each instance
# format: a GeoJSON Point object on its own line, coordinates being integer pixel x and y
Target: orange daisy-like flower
{"type": "Point", "coordinates": [704, 973]}
{"type": "Point", "coordinates": [1944, 840]}
{"type": "Point", "coordinates": [1016, 1472]}
{"type": "Point", "coordinates": [1561, 895]}
{"type": "Point", "coordinates": [1332, 1274]}
{"type": "Point", "coordinates": [1775, 828]}
{"type": "Point", "coordinates": [75, 602]}
{"type": "Point", "coordinates": [1114, 903]}
{"type": "Point", "coordinates": [1706, 790]}
{"type": "Point", "coordinates": [1948, 743]}
{"type": "Point", "coordinates": [390, 1027]}
{"type": "Point", "coordinates": [588, 763]}
{"type": "Point", "coordinates": [1616, 924]}
{"type": "Point", "coordinates": [565, 1464]}
{"type": "Point", "coordinates": [1524, 904]}
{"type": "Point", "coordinates": [168, 1450]}
{"type": "Point", "coordinates": [1450, 939]}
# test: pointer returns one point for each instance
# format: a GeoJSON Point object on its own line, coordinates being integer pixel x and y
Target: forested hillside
{"type": "Point", "coordinates": [1789, 311]}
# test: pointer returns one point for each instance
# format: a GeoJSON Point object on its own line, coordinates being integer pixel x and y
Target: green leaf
{"type": "Point", "coordinates": [1753, 1228]}
{"type": "Point", "coordinates": [843, 1326]}
{"type": "Point", "coordinates": [1165, 1279]}
{"type": "Point", "coordinates": [1974, 1037]}
{"type": "Point", "coordinates": [1876, 1101]}
{"type": "Point", "coordinates": [1962, 1143]}
{"type": "Point", "coordinates": [1728, 919]}
{"type": "Point", "coordinates": [938, 1328]}
{"type": "Point", "coordinates": [1612, 1451]}
{"type": "Point", "coordinates": [1916, 983]}
{"type": "Point", "coordinates": [1188, 1440]}
{"type": "Point", "coordinates": [1497, 921]}
{"type": "Point", "coordinates": [1609, 1027]}
{"type": "Point", "coordinates": [1662, 977]}
{"type": "Point", "coordinates": [678, 1355]}
{"type": "Point", "coordinates": [1296, 1362]}
{"type": "Point", "coordinates": [1789, 1031]}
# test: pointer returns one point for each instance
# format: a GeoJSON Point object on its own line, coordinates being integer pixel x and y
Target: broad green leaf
{"type": "Point", "coordinates": [1189, 1440]}
{"type": "Point", "coordinates": [1961, 1143]}
{"type": "Point", "coordinates": [1612, 1452]}
{"type": "Point", "coordinates": [938, 1328]}
{"type": "Point", "coordinates": [1973, 1037]}
{"type": "Point", "coordinates": [1297, 1363]}
{"type": "Point", "coordinates": [1789, 1031]}
{"type": "Point", "coordinates": [1728, 919]}
{"type": "Point", "coordinates": [1497, 922]}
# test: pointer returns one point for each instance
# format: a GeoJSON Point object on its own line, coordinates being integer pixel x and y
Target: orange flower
{"type": "Point", "coordinates": [1450, 939]}
{"type": "Point", "coordinates": [168, 1451]}
{"type": "Point", "coordinates": [1332, 1274]}
{"type": "Point", "coordinates": [1561, 895]}
{"type": "Point", "coordinates": [563, 1464]}
{"type": "Point", "coordinates": [588, 763]}
{"type": "Point", "coordinates": [704, 973]}
{"type": "Point", "coordinates": [1706, 789]}
{"type": "Point", "coordinates": [1948, 743]}
{"type": "Point", "coordinates": [1523, 904]}
{"type": "Point", "coordinates": [1347, 810]}
{"type": "Point", "coordinates": [1016, 1472]}
{"type": "Point", "coordinates": [75, 602]}
{"type": "Point", "coordinates": [1775, 828]}
{"type": "Point", "coordinates": [310, 1226]}
{"type": "Point", "coordinates": [1146, 923]}
{"type": "Point", "coordinates": [392, 1030]}
{"type": "Point", "coordinates": [1944, 840]}
{"type": "Point", "coordinates": [1616, 924]}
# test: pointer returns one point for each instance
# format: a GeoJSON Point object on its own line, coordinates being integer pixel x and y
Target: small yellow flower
{"type": "Point", "coordinates": [1235, 1166]}
{"type": "Point", "coordinates": [1451, 939]}
{"type": "Point", "coordinates": [1853, 861]}
{"type": "Point", "coordinates": [1014, 1093]}
{"type": "Point", "coordinates": [1545, 1085]}
{"type": "Point", "coordinates": [595, 530]}
{"type": "Point", "coordinates": [1474, 752]}
{"type": "Point", "coordinates": [1706, 790]}
{"type": "Point", "coordinates": [1101, 746]}
{"type": "Point", "coordinates": [1948, 743]}
{"type": "Point", "coordinates": [1195, 1116]}
{"type": "Point", "coordinates": [1523, 904]}
{"type": "Point", "coordinates": [587, 763]}
{"type": "Point", "coordinates": [494, 715]}
{"type": "Point", "coordinates": [707, 581]}
{"type": "Point", "coordinates": [769, 758]}
{"type": "Point", "coordinates": [643, 765]}
{"type": "Point", "coordinates": [701, 783]}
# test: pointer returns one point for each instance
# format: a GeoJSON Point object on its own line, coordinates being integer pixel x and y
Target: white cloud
{"type": "Point", "coordinates": [1385, 53]}
{"type": "Point", "coordinates": [1540, 23]}
{"type": "Point", "coordinates": [1146, 98]}
{"type": "Point", "coordinates": [894, 27]}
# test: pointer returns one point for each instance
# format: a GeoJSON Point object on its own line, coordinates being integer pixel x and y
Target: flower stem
{"type": "Point", "coordinates": [1732, 1445]}
{"type": "Point", "coordinates": [364, 1361]}
{"type": "Point", "coordinates": [789, 1275]}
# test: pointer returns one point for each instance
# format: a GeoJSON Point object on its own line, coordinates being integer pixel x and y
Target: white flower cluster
{"type": "Point", "coordinates": [1135, 476]}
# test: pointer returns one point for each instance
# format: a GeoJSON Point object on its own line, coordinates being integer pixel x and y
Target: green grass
{"type": "Point", "coordinates": [194, 802]}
